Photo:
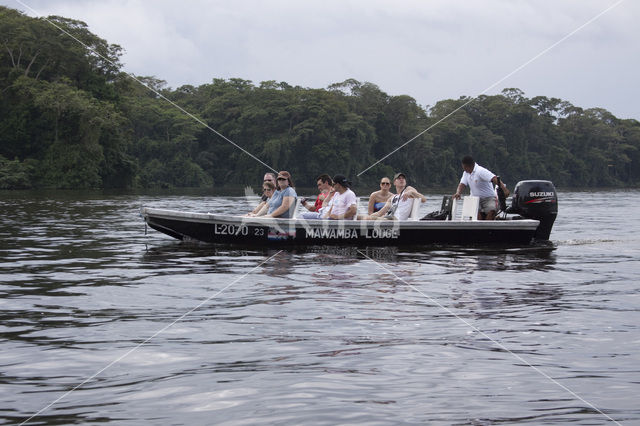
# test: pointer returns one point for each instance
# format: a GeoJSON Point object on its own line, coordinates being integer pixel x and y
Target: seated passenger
{"type": "Point", "coordinates": [267, 191]}
{"type": "Point", "coordinates": [378, 199]}
{"type": "Point", "coordinates": [326, 192]}
{"type": "Point", "coordinates": [322, 213]}
{"type": "Point", "coordinates": [344, 203]}
{"type": "Point", "coordinates": [399, 206]}
{"type": "Point", "coordinates": [269, 177]}
{"type": "Point", "coordinates": [283, 201]}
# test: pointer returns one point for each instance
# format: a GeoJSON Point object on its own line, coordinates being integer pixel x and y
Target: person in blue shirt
{"type": "Point", "coordinates": [283, 201]}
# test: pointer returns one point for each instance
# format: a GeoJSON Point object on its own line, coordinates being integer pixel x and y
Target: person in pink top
{"type": "Point", "coordinates": [344, 203]}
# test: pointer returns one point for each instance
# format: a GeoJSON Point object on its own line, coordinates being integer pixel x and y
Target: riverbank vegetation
{"type": "Point", "coordinates": [71, 118]}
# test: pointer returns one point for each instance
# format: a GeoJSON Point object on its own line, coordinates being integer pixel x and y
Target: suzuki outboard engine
{"type": "Point", "coordinates": [536, 199]}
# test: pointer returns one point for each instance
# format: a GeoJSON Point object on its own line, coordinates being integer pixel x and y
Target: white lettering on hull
{"type": "Point", "coordinates": [224, 229]}
{"type": "Point", "coordinates": [382, 233]}
{"type": "Point", "coordinates": [351, 233]}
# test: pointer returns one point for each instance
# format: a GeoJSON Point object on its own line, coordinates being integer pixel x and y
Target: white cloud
{"type": "Point", "coordinates": [430, 50]}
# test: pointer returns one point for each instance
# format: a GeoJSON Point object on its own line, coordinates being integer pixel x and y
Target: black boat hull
{"type": "Point", "coordinates": [211, 228]}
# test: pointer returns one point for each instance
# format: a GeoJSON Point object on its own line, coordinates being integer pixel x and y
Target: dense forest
{"type": "Point", "coordinates": [71, 118]}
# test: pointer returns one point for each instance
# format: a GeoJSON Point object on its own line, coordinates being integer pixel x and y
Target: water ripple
{"type": "Point", "coordinates": [320, 335]}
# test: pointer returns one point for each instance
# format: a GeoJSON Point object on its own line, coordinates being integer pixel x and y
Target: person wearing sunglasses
{"type": "Point", "coordinates": [268, 189]}
{"type": "Point", "coordinates": [283, 201]}
{"type": "Point", "coordinates": [379, 198]}
{"type": "Point", "coordinates": [399, 206]}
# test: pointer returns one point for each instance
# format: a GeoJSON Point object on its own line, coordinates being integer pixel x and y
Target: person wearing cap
{"type": "Point", "coordinates": [480, 182]}
{"type": "Point", "coordinates": [399, 206]}
{"type": "Point", "coordinates": [322, 201]}
{"type": "Point", "coordinates": [379, 198]}
{"type": "Point", "coordinates": [344, 203]}
{"type": "Point", "coordinates": [283, 201]}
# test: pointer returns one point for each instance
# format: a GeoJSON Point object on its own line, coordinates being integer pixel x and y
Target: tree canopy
{"type": "Point", "coordinates": [71, 118]}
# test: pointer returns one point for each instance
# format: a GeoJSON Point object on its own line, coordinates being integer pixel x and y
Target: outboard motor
{"type": "Point", "coordinates": [536, 199]}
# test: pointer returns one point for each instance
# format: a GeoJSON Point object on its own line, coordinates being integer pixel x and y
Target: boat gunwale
{"type": "Point", "coordinates": [213, 218]}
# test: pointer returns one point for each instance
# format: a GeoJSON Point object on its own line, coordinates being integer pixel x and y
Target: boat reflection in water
{"type": "Point", "coordinates": [202, 257]}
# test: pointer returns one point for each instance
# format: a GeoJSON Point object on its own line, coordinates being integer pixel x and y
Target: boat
{"type": "Point", "coordinates": [529, 219]}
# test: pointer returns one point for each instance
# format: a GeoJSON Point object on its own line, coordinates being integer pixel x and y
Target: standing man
{"type": "Point", "coordinates": [480, 182]}
{"type": "Point", "coordinates": [344, 203]}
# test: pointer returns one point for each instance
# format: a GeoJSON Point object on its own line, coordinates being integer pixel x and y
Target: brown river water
{"type": "Point", "coordinates": [102, 323]}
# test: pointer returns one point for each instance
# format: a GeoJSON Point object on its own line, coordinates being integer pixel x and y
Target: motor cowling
{"type": "Point", "coordinates": [536, 199]}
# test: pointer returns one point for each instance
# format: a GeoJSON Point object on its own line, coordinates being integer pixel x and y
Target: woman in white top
{"type": "Point", "coordinates": [399, 206]}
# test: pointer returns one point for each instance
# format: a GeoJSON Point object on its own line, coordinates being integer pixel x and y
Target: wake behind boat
{"type": "Point", "coordinates": [530, 217]}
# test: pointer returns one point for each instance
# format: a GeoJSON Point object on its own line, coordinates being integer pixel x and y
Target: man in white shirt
{"type": "Point", "coordinates": [480, 182]}
{"type": "Point", "coordinates": [344, 202]}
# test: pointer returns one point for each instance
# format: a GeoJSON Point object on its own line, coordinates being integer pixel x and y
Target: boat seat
{"type": "Point", "coordinates": [465, 209]}
{"type": "Point", "coordinates": [447, 204]}
{"type": "Point", "coordinates": [415, 208]}
{"type": "Point", "coordinates": [468, 210]}
{"type": "Point", "coordinates": [297, 205]}
{"type": "Point", "coordinates": [360, 209]}
{"type": "Point", "coordinates": [470, 207]}
{"type": "Point", "coordinates": [456, 209]}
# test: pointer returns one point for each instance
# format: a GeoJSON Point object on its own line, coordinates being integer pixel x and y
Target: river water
{"type": "Point", "coordinates": [104, 324]}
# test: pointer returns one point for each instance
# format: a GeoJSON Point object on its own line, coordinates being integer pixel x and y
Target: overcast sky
{"type": "Point", "coordinates": [430, 50]}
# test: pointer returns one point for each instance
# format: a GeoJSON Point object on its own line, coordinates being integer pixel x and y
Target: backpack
{"type": "Point", "coordinates": [436, 215]}
{"type": "Point", "coordinates": [444, 212]}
